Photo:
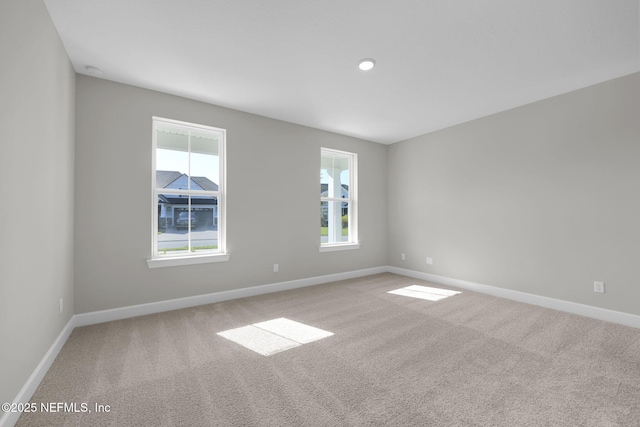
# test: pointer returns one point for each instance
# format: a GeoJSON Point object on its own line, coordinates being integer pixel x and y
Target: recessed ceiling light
{"type": "Point", "coordinates": [93, 71]}
{"type": "Point", "coordinates": [366, 64]}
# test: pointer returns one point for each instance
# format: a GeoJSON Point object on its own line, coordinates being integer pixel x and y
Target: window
{"type": "Point", "coordinates": [188, 208]}
{"type": "Point", "coordinates": [338, 200]}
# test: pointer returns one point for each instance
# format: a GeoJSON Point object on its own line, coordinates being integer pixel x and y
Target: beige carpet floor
{"type": "Point", "coordinates": [468, 360]}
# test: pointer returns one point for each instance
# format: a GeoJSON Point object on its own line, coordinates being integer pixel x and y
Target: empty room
{"type": "Point", "coordinates": [305, 213]}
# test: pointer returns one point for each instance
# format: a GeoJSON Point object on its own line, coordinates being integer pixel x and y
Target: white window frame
{"type": "Point", "coordinates": [352, 241]}
{"type": "Point", "coordinates": [221, 253]}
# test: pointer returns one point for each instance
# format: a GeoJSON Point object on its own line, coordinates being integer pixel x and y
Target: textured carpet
{"type": "Point", "coordinates": [468, 360]}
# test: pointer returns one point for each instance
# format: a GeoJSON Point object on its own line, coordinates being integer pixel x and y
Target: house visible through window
{"type": "Point", "coordinates": [188, 210]}
{"type": "Point", "coordinates": [338, 201]}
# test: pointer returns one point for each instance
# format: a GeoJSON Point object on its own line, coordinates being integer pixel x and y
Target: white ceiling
{"type": "Point", "coordinates": [439, 62]}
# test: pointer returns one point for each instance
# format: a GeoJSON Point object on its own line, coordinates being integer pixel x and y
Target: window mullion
{"type": "Point", "coordinates": [187, 192]}
{"type": "Point", "coordinates": [189, 213]}
{"type": "Point", "coordinates": [335, 199]}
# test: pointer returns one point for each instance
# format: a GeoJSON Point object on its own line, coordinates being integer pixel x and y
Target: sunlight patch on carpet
{"type": "Point", "coordinates": [424, 292]}
{"type": "Point", "coordinates": [274, 336]}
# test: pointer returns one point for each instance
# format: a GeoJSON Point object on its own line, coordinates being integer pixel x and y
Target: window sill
{"type": "Point", "coordinates": [187, 260]}
{"type": "Point", "coordinates": [339, 247]}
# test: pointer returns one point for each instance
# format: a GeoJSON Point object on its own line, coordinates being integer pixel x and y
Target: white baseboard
{"type": "Point", "coordinates": [613, 316]}
{"type": "Point", "coordinates": [175, 304]}
{"type": "Point", "coordinates": [25, 394]}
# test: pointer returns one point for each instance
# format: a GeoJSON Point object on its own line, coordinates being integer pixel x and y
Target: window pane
{"type": "Point", "coordinates": [205, 162]}
{"type": "Point", "coordinates": [334, 176]}
{"type": "Point", "coordinates": [172, 158]}
{"type": "Point", "coordinates": [172, 240]}
{"type": "Point", "coordinates": [204, 232]}
{"type": "Point", "coordinates": [334, 222]}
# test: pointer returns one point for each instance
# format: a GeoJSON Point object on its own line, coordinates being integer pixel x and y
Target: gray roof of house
{"type": "Point", "coordinates": [164, 178]}
{"type": "Point", "coordinates": [205, 183]}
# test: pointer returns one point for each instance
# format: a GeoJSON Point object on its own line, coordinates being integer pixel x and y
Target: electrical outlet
{"type": "Point", "coordinates": [402, 256]}
{"type": "Point", "coordinates": [598, 287]}
{"type": "Point", "coordinates": [61, 304]}
{"type": "Point", "coordinates": [429, 260]}
{"type": "Point", "coordinates": [275, 268]}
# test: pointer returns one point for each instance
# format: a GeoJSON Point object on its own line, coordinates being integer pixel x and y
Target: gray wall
{"type": "Point", "coordinates": [272, 205]}
{"type": "Point", "coordinates": [36, 183]}
{"type": "Point", "coordinates": [542, 199]}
